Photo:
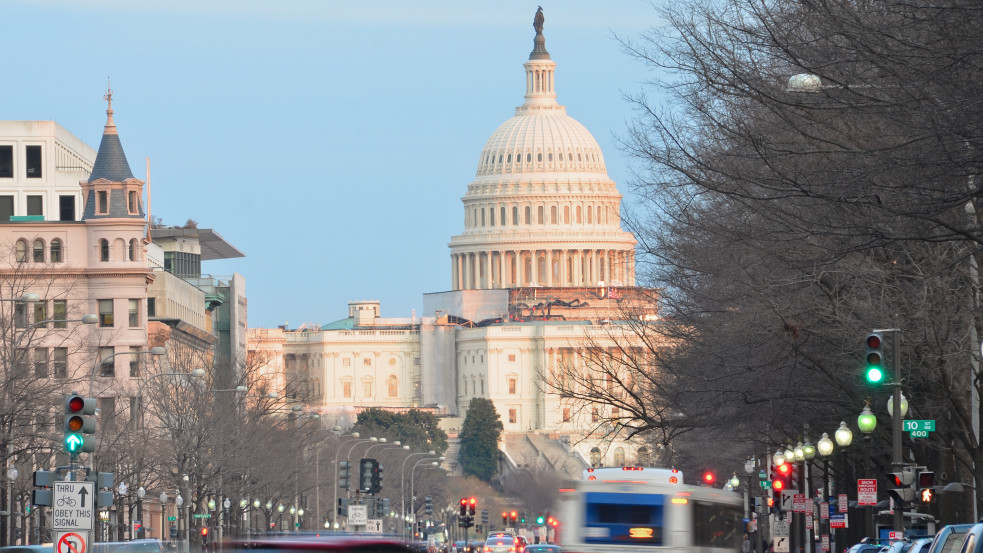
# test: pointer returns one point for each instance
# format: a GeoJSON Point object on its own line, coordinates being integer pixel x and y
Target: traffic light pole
{"type": "Point", "coordinates": [897, 418]}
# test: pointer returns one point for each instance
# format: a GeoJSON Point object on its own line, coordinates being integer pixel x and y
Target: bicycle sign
{"type": "Point", "coordinates": [73, 505]}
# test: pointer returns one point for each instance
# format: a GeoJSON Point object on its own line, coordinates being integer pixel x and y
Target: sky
{"type": "Point", "coordinates": [330, 141]}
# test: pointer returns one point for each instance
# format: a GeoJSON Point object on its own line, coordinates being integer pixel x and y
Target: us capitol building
{"type": "Point", "coordinates": [540, 270]}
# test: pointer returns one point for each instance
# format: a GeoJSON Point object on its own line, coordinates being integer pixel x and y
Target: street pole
{"type": "Point", "coordinates": [897, 417]}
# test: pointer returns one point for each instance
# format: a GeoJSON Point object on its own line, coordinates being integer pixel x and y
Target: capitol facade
{"type": "Point", "coordinates": [541, 270]}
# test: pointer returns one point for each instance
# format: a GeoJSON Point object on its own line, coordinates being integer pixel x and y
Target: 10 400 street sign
{"type": "Point", "coordinates": [72, 505]}
{"type": "Point", "coordinates": [918, 429]}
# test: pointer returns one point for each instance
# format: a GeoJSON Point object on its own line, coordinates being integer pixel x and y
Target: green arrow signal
{"type": "Point", "coordinates": [73, 443]}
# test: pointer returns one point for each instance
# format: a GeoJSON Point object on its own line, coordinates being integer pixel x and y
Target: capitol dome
{"type": "Point", "coordinates": [542, 210]}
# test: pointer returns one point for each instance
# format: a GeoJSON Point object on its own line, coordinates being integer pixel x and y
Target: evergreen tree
{"type": "Point", "coordinates": [417, 429]}
{"type": "Point", "coordinates": [479, 439]}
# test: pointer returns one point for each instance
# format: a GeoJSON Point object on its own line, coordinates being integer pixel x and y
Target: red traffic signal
{"type": "Point", "coordinates": [472, 502]}
{"type": "Point", "coordinates": [709, 478]}
{"type": "Point", "coordinates": [514, 516]}
{"type": "Point", "coordinates": [505, 518]}
{"type": "Point", "coordinates": [464, 506]}
{"type": "Point", "coordinates": [204, 531]}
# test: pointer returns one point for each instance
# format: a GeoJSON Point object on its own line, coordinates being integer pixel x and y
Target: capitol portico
{"type": "Point", "coordinates": [539, 271]}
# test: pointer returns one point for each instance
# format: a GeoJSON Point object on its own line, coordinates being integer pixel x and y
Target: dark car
{"type": "Point", "coordinates": [949, 538]}
{"type": "Point", "coordinates": [920, 545]}
{"type": "Point", "coordinates": [328, 544]}
{"type": "Point", "coordinates": [134, 546]}
{"type": "Point", "coordinates": [867, 548]}
{"type": "Point", "coordinates": [467, 547]}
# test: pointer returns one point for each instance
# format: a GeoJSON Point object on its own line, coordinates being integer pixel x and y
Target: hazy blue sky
{"type": "Point", "coordinates": [329, 141]}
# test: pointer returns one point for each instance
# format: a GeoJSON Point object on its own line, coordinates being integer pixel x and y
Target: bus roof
{"type": "Point", "coordinates": [634, 474]}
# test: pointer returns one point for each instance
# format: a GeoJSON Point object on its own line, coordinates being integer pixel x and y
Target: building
{"type": "Point", "coordinates": [541, 267]}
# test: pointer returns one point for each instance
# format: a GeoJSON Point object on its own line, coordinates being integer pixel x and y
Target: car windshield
{"type": "Point", "coordinates": [952, 542]}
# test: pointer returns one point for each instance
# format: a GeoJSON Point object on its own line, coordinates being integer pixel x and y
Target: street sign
{"type": "Point", "coordinates": [808, 521]}
{"type": "Point", "coordinates": [171, 519]}
{"type": "Point", "coordinates": [71, 542]}
{"type": "Point", "coordinates": [72, 506]}
{"type": "Point", "coordinates": [842, 503]}
{"type": "Point", "coordinates": [780, 545]}
{"type": "Point", "coordinates": [358, 515]}
{"type": "Point", "coordinates": [837, 521]}
{"type": "Point", "coordinates": [824, 510]}
{"type": "Point", "coordinates": [910, 425]}
{"type": "Point", "coordinates": [894, 535]}
{"type": "Point", "coordinates": [373, 526]}
{"type": "Point", "coordinates": [788, 498]}
{"type": "Point", "coordinates": [825, 542]}
{"type": "Point", "coordinates": [799, 503]}
{"type": "Point", "coordinates": [867, 491]}
{"type": "Point", "coordinates": [779, 529]}
{"type": "Point", "coordinates": [201, 515]}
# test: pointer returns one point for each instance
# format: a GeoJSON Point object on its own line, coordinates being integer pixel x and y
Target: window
{"type": "Point", "coordinates": [511, 358]}
{"type": "Point", "coordinates": [54, 253]}
{"type": "Point", "coordinates": [346, 388]}
{"type": "Point", "coordinates": [491, 216]}
{"type": "Point", "coordinates": [513, 384]}
{"type": "Point", "coordinates": [41, 362]}
{"type": "Point", "coordinates": [579, 214]}
{"type": "Point", "coordinates": [33, 161]}
{"type": "Point", "coordinates": [540, 215]}
{"type": "Point", "coordinates": [6, 162]}
{"type": "Point", "coordinates": [614, 412]}
{"type": "Point", "coordinates": [515, 215]}
{"type": "Point", "coordinates": [566, 215]}
{"type": "Point", "coordinates": [107, 364]}
{"type": "Point", "coordinates": [103, 250]}
{"type": "Point", "coordinates": [482, 216]}
{"type": "Point", "coordinates": [134, 319]}
{"type": "Point", "coordinates": [393, 385]}
{"type": "Point", "coordinates": [502, 219]}
{"type": "Point", "coordinates": [35, 205]}
{"type": "Point", "coordinates": [367, 388]}
{"type": "Point", "coordinates": [59, 358]}
{"type": "Point", "coordinates": [38, 250]}
{"type": "Point", "coordinates": [59, 311]}
{"type": "Point", "coordinates": [105, 312]}
{"type": "Point", "coordinates": [6, 207]}
{"type": "Point", "coordinates": [135, 361]}
{"type": "Point", "coordinates": [40, 311]}
{"type": "Point", "coordinates": [20, 315]}
{"type": "Point", "coordinates": [367, 361]}
{"type": "Point", "coordinates": [528, 215]}
{"type": "Point", "coordinates": [590, 210]}
{"type": "Point", "coordinates": [346, 362]}
{"type": "Point", "coordinates": [20, 250]}
{"type": "Point", "coordinates": [66, 208]}
{"type": "Point", "coordinates": [151, 307]}
{"type": "Point", "coordinates": [132, 204]}
{"type": "Point", "coordinates": [619, 456]}
{"type": "Point", "coordinates": [553, 215]}
{"type": "Point", "coordinates": [133, 251]}
{"type": "Point", "coordinates": [594, 415]}
{"type": "Point", "coordinates": [513, 416]}
{"type": "Point", "coordinates": [102, 201]}
{"type": "Point", "coordinates": [566, 414]}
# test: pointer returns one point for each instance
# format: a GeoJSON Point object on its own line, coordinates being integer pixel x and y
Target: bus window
{"type": "Point", "coordinates": [717, 525]}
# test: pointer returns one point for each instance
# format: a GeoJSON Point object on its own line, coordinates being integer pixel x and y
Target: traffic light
{"type": "Point", "coordinates": [43, 479]}
{"type": "Point", "coordinates": [926, 486]}
{"type": "Point", "coordinates": [484, 517]}
{"type": "Point", "coordinates": [874, 371]}
{"type": "Point", "coordinates": [365, 472]}
{"type": "Point", "coordinates": [780, 476]}
{"type": "Point", "coordinates": [428, 505]}
{"type": "Point", "coordinates": [472, 503]}
{"type": "Point", "coordinates": [343, 474]}
{"type": "Point", "coordinates": [505, 518]}
{"type": "Point", "coordinates": [708, 478]}
{"type": "Point", "coordinates": [551, 521]}
{"type": "Point", "coordinates": [204, 536]}
{"type": "Point", "coordinates": [464, 506]}
{"type": "Point", "coordinates": [540, 519]}
{"type": "Point", "coordinates": [342, 506]}
{"type": "Point", "coordinates": [78, 422]}
{"type": "Point", "coordinates": [375, 481]}
{"type": "Point", "coordinates": [514, 516]}
{"type": "Point", "coordinates": [901, 483]}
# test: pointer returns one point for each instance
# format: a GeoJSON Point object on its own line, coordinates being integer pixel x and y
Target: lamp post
{"type": "Point", "coordinates": [825, 448]}
{"type": "Point", "coordinates": [163, 516]}
{"type": "Point", "coordinates": [402, 483]}
{"type": "Point", "coordinates": [355, 441]}
{"type": "Point", "coordinates": [843, 437]}
{"type": "Point", "coordinates": [434, 464]}
{"type": "Point", "coordinates": [867, 423]}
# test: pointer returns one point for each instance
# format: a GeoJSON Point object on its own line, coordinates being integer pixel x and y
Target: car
{"type": "Point", "coordinates": [544, 548]}
{"type": "Point", "coordinates": [520, 543]}
{"type": "Point", "coordinates": [500, 544]}
{"type": "Point", "coordinates": [973, 541]}
{"type": "Point", "coordinates": [133, 546]}
{"type": "Point", "coordinates": [867, 548]}
{"type": "Point", "coordinates": [949, 538]}
{"type": "Point", "coordinates": [44, 548]}
{"type": "Point", "coordinates": [325, 544]}
{"type": "Point", "coordinates": [467, 547]}
{"type": "Point", "coordinates": [920, 545]}
{"type": "Point", "coordinates": [501, 534]}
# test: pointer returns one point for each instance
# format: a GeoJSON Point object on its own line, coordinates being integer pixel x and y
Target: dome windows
{"type": "Point", "coordinates": [528, 158]}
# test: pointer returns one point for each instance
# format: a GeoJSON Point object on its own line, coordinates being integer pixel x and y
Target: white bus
{"type": "Point", "coordinates": [647, 510]}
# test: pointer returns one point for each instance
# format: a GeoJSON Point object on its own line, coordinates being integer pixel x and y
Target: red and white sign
{"type": "Point", "coordinates": [824, 510]}
{"type": "Point", "coordinates": [825, 542]}
{"type": "Point", "coordinates": [838, 521]}
{"type": "Point", "coordinates": [799, 503]}
{"type": "Point", "coordinates": [71, 542]}
{"type": "Point", "coordinates": [842, 504]}
{"type": "Point", "coordinates": [867, 491]}
{"type": "Point", "coordinates": [892, 535]}
{"type": "Point", "coordinates": [808, 521]}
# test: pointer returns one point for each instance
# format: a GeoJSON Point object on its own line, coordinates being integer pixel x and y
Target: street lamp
{"type": "Point", "coordinates": [355, 440]}
{"type": "Point", "coordinates": [402, 483]}
{"type": "Point", "coordinates": [434, 464]}
{"type": "Point", "coordinates": [867, 423]}
{"type": "Point", "coordinates": [825, 448]}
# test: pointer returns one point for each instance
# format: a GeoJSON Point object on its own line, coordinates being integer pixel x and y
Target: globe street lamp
{"type": "Point", "coordinates": [825, 448]}
{"type": "Point", "coordinates": [867, 423]}
{"type": "Point", "coordinates": [402, 483]}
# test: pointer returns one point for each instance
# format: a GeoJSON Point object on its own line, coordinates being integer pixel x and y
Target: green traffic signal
{"type": "Point", "coordinates": [875, 358]}
{"type": "Point", "coordinates": [540, 519]}
{"type": "Point", "coordinates": [74, 443]}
